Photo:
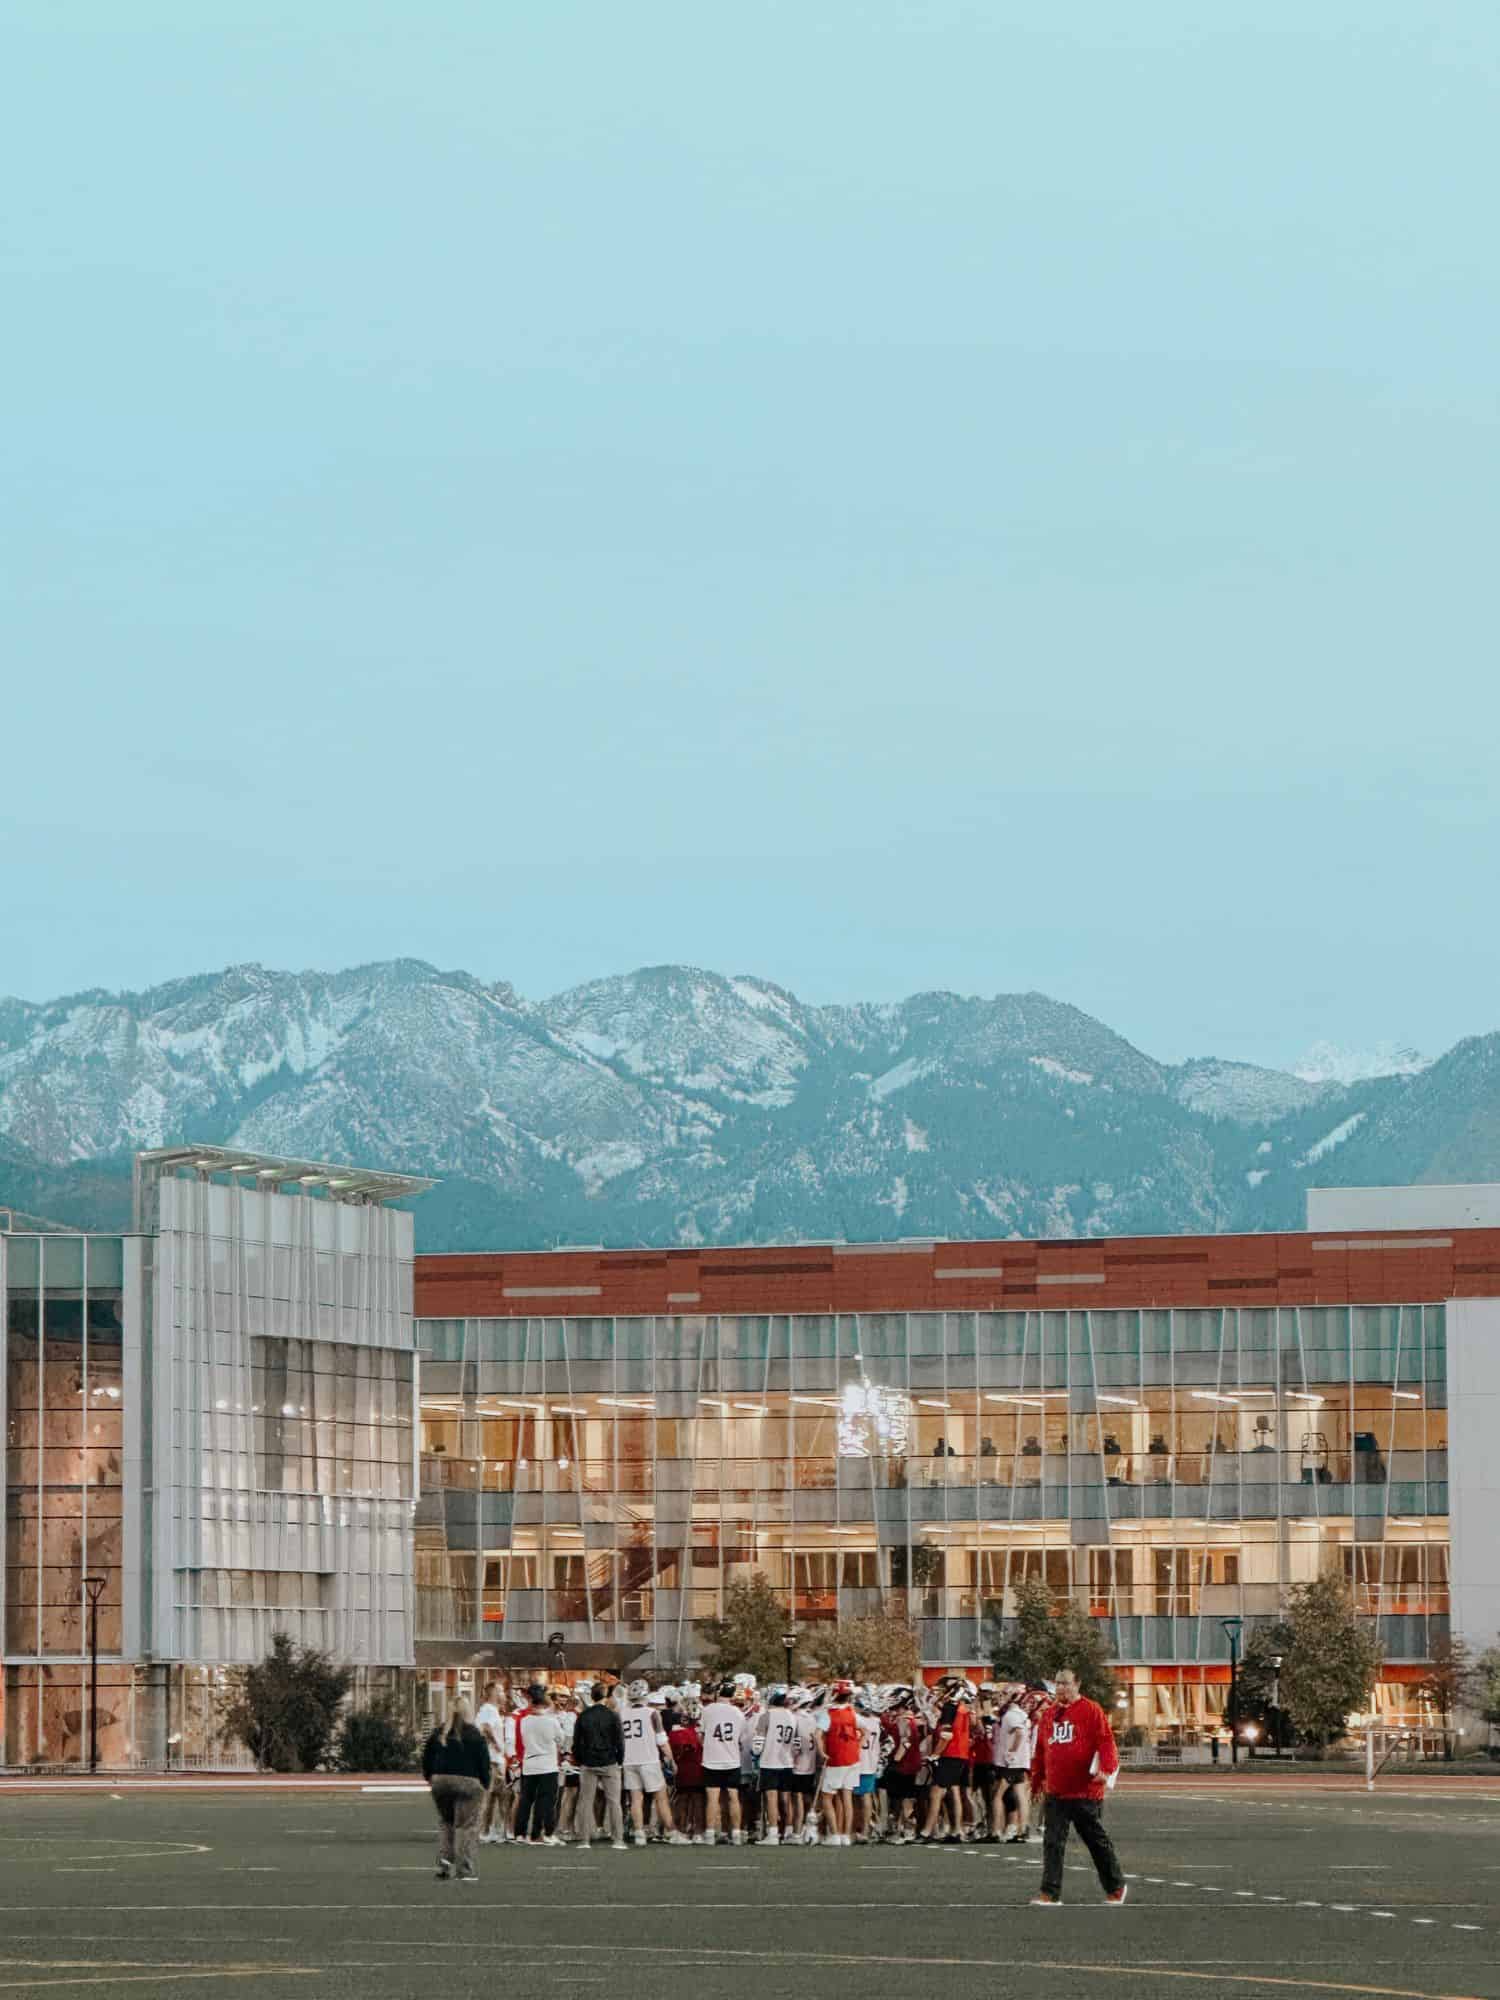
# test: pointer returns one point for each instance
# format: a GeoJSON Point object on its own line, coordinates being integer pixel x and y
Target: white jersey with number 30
{"type": "Point", "coordinates": [780, 1740]}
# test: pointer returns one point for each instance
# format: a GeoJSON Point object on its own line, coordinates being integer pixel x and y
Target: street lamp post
{"type": "Point", "coordinates": [1232, 1628]}
{"type": "Point", "coordinates": [94, 1585]}
{"type": "Point", "coordinates": [789, 1640]}
{"type": "Point", "coordinates": [1276, 1698]}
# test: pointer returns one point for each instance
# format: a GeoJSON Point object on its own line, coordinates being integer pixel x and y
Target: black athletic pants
{"type": "Point", "coordinates": [538, 1812]}
{"type": "Point", "coordinates": [1061, 1815]}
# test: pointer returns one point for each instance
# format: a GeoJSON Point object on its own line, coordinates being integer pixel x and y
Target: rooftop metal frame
{"type": "Point", "coordinates": [337, 1182]}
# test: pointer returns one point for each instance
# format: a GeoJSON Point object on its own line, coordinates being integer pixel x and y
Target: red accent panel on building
{"type": "Point", "coordinates": [1412, 1267]}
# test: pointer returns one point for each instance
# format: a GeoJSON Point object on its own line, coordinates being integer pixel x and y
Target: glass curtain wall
{"type": "Point", "coordinates": [1165, 1469]}
{"type": "Point", "coordinates": [64, 1479]}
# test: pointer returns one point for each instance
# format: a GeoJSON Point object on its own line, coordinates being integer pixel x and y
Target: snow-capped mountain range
{"type": "Point", "coordinates": [677, 1105]}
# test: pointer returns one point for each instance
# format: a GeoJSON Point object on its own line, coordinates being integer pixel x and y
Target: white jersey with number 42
{"type": "Point", "coordinates": [723, 1725]}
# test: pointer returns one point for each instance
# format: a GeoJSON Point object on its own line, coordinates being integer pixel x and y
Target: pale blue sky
{"type": "Point", "coordinates": [879, 495]}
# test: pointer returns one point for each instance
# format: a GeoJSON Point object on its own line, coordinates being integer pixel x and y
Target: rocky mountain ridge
{"type": "Point", "coordinates": [673, 1104]}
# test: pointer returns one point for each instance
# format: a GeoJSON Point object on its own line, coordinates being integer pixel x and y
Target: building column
{"type": "Point", "coordinates": [1473, 1327]}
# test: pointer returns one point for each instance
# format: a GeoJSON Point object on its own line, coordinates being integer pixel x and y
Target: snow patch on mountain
{"type": "Point", "coordinates": [898, 1078]}
{"type": "Point", "coordinates": [1326, 1062]}
{"type": "Point", "coordinates": [1243, 1091]}
{"type": "Point", "coordinates": [607, 1163]}
{"type": "Point", "coordinates": [603, 1046]}
{"type": "Point", "coordinates": [1332, 1139]}
{"type": "Point", "coordinates": [1060, 1070]}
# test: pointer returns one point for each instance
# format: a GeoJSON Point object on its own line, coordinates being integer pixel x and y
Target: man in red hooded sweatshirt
{"type": "Point", "coordinates": [1076, 1763]}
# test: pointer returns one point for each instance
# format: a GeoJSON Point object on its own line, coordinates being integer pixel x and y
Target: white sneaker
{"type": "Point", "coordinates": [677, 1840]}
{"type": "Point", "coordinates": [737, 1838]}
{"type": "Point", "coordinates": [617, 1847]}
{"type": "Point", "coordinates": [550, 1840]}
{"type": "Point", "coordinates": [771, 1838]}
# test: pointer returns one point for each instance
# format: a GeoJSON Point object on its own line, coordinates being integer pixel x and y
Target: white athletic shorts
{"type": "Point", "coordinates": [645, 1778]}
{"type": "Point", "coordinates": [841, 1777]}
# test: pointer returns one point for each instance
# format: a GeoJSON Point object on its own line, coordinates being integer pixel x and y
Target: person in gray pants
{"type": "Point", "coordinates": [599, 1754]}
{"type": "Point", "coordinates": [456, 1765]}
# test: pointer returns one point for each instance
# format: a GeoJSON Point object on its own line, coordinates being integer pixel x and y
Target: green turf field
{"type": "Point", "coordinates": [1286, 1891]}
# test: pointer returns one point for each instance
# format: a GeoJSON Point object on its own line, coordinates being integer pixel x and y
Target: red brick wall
{"type": "Point", "coordinates": [1409, 1267]}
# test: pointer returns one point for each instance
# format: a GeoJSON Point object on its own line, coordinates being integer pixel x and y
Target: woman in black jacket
{"type": "Point", "coordinates": [456, 1765]}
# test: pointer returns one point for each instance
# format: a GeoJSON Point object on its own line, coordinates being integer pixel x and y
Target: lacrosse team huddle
{"type": "Point", "coordinates": [831, 1765]}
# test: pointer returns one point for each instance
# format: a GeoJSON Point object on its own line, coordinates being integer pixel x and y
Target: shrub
{"type": "Point", "coordinates": [374, 1739]}
{"type": "Point", "coordinates": [285, 1709]}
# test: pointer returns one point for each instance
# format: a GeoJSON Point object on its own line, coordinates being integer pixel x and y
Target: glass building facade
{"type": "Point", "coordinates": [259, 1411]}
{"type": "Point", "coordinates": [213, 1417]}
{"type": "Point", "coordinates": [64, 1388]}
{"type": "Point", "coordinates": [1165, 1468]}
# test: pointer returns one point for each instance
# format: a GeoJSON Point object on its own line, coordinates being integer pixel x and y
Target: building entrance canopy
{"type": "Point", "coordinates": [525, 1653]}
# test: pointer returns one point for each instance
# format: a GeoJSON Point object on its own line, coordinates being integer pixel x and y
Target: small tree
{"type": "Point", "coordinates": [374, 1739]}
{"type": "Point", "coordinates": [865, 1649]}
{"type": "Point", "coordinates": [1083, 1644]}
{"type": "Point", "coordinates": [1025, 1653]}
{"type": "Point", "coordinates": [1332, 1659]}
{"type": "Point", "coordinates": [1451, 1680]}
{"type": "Point", "coordinates": [1043, 1639]}
{"type": "Point", "coordinates": [284, 1710]}
{"type": "Point", "coordinates": [748, 1638]}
